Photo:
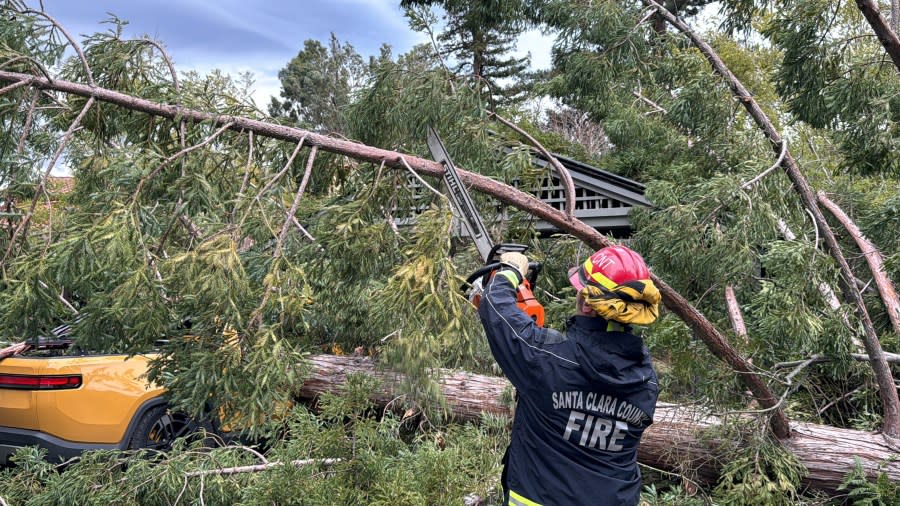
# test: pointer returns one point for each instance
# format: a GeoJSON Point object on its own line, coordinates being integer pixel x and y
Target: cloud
{"type": "Point", "coordinates": [258, 36]}
{"type": "Point", "coordinates": [539, 45]}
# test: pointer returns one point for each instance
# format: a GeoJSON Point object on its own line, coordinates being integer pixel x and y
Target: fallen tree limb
{"type": "Point", "coordinates": [681, 439]}
{"type": "Point", "coordinates": [258, 467]}
{"type": "Point", "coordinates": [699, 324]}
{"type": "Point", "coordinates": [882, 29]}
{"type": "Point", "coordinates": [14, 349]}
{"type": "Point", "coordinates": [893, 358]}
{"type": "Point", "coordinates": [563, 172]}
{"type": "Point", "coordinates": [873, 258]}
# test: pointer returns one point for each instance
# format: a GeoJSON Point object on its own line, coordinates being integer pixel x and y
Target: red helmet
{"type": "Point", "coordinates": [609, 267]}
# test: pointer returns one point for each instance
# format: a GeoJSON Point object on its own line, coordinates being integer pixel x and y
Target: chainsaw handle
{"type": "Point", "coordinates": [480, 272]}
{"type": "Point", "coordinates": [534, 268]}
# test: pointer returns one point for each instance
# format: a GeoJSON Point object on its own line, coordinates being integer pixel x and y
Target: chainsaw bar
{"type": "Point", "coordinates": [459, 198]}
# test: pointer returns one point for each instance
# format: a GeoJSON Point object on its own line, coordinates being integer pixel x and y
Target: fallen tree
{"type": "Point", "coordinates": [714, 340]}
{"type": "Point", "coordinates": [680, 440]}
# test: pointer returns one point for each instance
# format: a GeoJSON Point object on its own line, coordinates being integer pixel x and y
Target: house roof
{"type": "Point", "coordinates": [603, 200]}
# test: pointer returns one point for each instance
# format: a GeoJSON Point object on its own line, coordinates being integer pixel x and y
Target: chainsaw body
{"type": "Point", "coordinates": [525, 299]}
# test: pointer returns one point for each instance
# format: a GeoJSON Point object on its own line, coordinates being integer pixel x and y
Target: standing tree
{"type": "Point", "coordinates": [318, 84]}
{"type": "Point", "coordinates": [480, 37]}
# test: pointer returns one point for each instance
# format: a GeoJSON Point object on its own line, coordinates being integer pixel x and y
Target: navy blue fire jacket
{"type": "Point", "coordinates": [584, 400]}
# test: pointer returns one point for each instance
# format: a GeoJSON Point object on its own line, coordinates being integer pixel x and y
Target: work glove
{"type": "Point", "coordinates": [516, 265]}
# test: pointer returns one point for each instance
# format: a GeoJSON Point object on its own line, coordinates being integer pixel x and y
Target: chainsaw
{"type": "Point", "coordinates": [465, 210]}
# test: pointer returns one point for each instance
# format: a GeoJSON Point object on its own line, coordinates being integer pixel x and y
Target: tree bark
{"type": "Point", "coordinates": [678, 440]}
{"type": "Point", "coordinates": [702, 327]}
{"type": "Point", "coordinates": [883, 376]}
{"type": "Point", "coordinates": [885, 32]}
{"type": "Point", "coordinates": [873, 258]}
{"type": "Point", "coordinates": [895, 15]}
{"type": "Point", "coordinates": [14, 349]}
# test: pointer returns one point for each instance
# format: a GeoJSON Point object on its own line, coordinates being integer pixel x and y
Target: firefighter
{"type": "Point", "coordinates": [585, 396]}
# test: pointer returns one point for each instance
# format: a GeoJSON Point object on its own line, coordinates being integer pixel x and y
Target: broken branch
{"type": "Point", "coordinates": [734, 314]}
{"type": "Point", "coordinates": [293, 210]}
{"type": "Point", "coordinates": [873, 258]}
{"type": "Point", "coordinates": [259, 467]}
{"type": "Point", "coordinates": [563, 173]}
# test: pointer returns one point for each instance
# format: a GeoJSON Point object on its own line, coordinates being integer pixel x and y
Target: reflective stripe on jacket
{"type": "Point", "coordinates": [516, 499]}
{"type": "Point", "coordinates": [584, 400]}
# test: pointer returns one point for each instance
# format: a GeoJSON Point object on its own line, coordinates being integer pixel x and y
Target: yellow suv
{"type": "Point", "coordinates": [71, 403]}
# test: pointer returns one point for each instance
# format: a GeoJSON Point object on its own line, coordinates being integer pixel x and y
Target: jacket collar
{"type": "Point", "coordinates": [620, 342]}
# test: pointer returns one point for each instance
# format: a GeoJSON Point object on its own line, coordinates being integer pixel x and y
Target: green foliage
{"type": "Point", "coordinates": [860, 491]}
{"type": "Point", "coordinates": [185, 255]}
{"type": "Point", "coordinates": [833, 76]}
{"type": "Point", "coordinates": [762, 473]}
{"type": "Point", "coordinates": [382, 461]}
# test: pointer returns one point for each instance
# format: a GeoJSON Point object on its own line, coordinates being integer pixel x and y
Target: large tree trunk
{"type": "Point", "coordinates": [675, 442]}
{"type": "Point", "coordinates": [698, 323]}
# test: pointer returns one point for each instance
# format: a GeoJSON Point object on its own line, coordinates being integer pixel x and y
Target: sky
{"type": "Point", "coordinates": [259, 36]}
